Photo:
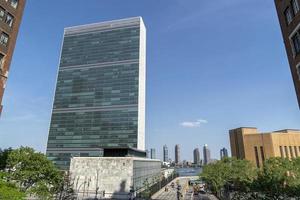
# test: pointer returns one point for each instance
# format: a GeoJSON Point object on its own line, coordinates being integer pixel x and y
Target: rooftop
{"type": "Point", "coordinates": [133, 21]}
{"type": "Point", "coordinates": [287, 130]}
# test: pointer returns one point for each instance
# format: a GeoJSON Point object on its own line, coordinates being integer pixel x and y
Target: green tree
{"type": "Point", "coordinates": [3, 157]}
{"type": "Point", "coordinates": [215, 175]}
{"type": "Point", "coordinates": [279, 178]}
{"type": "Point", "coordinates": [241, 174]}
{"type": "Point", "coordinates": [33, 172]}
{"type": "Point", "coordinates": [9, 190]}
{"type": "Point", "coordinates": [229, 172]}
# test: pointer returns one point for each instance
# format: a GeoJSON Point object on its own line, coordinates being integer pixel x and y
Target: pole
{"type": "Point", "coordinates": [97, 187]}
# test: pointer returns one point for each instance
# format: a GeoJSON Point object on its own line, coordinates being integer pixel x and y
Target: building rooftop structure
{"type": "Point", "coordinates": [248, 143]}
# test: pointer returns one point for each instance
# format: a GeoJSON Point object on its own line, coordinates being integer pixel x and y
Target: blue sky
{"type": "Point", "coordinates": [211, 66]}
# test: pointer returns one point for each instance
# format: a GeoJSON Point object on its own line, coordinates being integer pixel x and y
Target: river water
{"type": "Point", "coordinates": [188, 171]}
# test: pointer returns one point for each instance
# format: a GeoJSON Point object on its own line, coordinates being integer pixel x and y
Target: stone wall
{"type": "Point", "coordinates": [109, 177]}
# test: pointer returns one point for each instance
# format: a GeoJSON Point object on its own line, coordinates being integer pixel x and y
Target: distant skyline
{"type": "Point", "coordinates": [211, 66]}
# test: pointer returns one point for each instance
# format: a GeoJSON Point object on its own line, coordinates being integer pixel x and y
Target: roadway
{"type": "Point", "coordinates": [187, 191]}
{"type": "Point", "coordinates": [171, 192]}
{"type": "Point", "coordinates": [190, 196]}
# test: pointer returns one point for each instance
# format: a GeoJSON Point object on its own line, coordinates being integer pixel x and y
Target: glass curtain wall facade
{"type": "Point", "coordinates": [145, 172]}
{"type": "Point", "coordinates": [100, 93]}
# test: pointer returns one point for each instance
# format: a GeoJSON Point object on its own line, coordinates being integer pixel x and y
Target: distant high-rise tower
{"type": "Point", "coordinates": [289, 17]}
{"type": "Point", "coordinates": [223, 153]}
{"type": "Point", "coordinates": [177, 154]}
{"type": "Point", "coordinates": [206, 155]}
{"type": "Point", "coordinates": [196, 156]}
{"type": "Point", "coordinates": [11, 12]}
{"type": "Point", "coordinates": [100, 94]}
{"type": "Point", "coordinates": [153, 156]}
{"type": "Point", "coordinates": [166, 155]}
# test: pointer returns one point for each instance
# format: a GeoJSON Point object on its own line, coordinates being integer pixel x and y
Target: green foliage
{"type": "Point", "coordinates": [215, 175]}
{"type": "Point", "coordinates": [146, 193]}
{"type": "Point", "coordinates": [241, 173]}
{"type": "Point", "coordinates": [3, 157]}
{"type": "Point", "coordinates": [227, 172]}
{"type": "Point", "coordinates": [33, 172]}
{"type": "Point", "coordinates": [9, 190]}
{"type": "Point", "coordinates": [279, 178]}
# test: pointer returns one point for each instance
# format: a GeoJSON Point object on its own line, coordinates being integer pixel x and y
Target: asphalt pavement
{"type": "Point", "coordinates": [171, 193]}
{"type": "Point", "coordinates": [204, 197]}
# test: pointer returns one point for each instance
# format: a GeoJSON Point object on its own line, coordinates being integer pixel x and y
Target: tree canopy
{"type": "Point", "coordinates": [227, 173]}
{"type": "Point", "coordinates": [32, 173]}
{"type": "Point", "coordinates": [3, 157]}
{"type": "Point", "coordinates": [279, 178]}
{"type": "Point", "coordinates": [9, 190]}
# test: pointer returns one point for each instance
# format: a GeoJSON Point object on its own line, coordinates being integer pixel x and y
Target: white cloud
{"type": "Point", "coordinates": [193, 124]}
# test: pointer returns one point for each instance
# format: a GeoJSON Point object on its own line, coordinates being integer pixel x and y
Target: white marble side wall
{"type": "Point", "coordinates": [112, 175]}
{"type": "Point", "coordinates": [142, 87]}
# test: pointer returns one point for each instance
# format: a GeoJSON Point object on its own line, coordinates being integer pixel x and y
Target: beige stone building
{"type": "Point", "coordinates": [247, 143]}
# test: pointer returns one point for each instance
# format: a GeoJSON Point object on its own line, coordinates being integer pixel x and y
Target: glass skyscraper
{"type": "Point", "coordinates": [100, 93]}
{"type": "Point", "coordinates": [165, 152]}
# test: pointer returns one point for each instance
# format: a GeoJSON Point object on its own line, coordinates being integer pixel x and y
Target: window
{"type": "Point", "coordinates": [2, 13]}
{"type": "Point", "coordinates": [14, 3]}
{"type": "Point", "coordinates": [295, 6]}
{"type": "Point", "coordinates": [9, 20]}
{"type": "Point", "coordinates": [291, 152]}
{"type": "Point", "coordinates": [296, 151]}
{"type": "Point", "coordinates": [288, 15]}
{"type": "Point", "coordinates": [296, 43]}
{"type": "Point", "coordinates": [1, 62]}
{"type": "Point", "coordinates": [286, 152]}
{"type": "Point", "coordinates": [256, 157]}
{"type": "Point", "coordinates": [281, 152]}
{"type": "Point", "coordinates": [262, 153]}
{"type": "Point", "coordinates": [4, 39]}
